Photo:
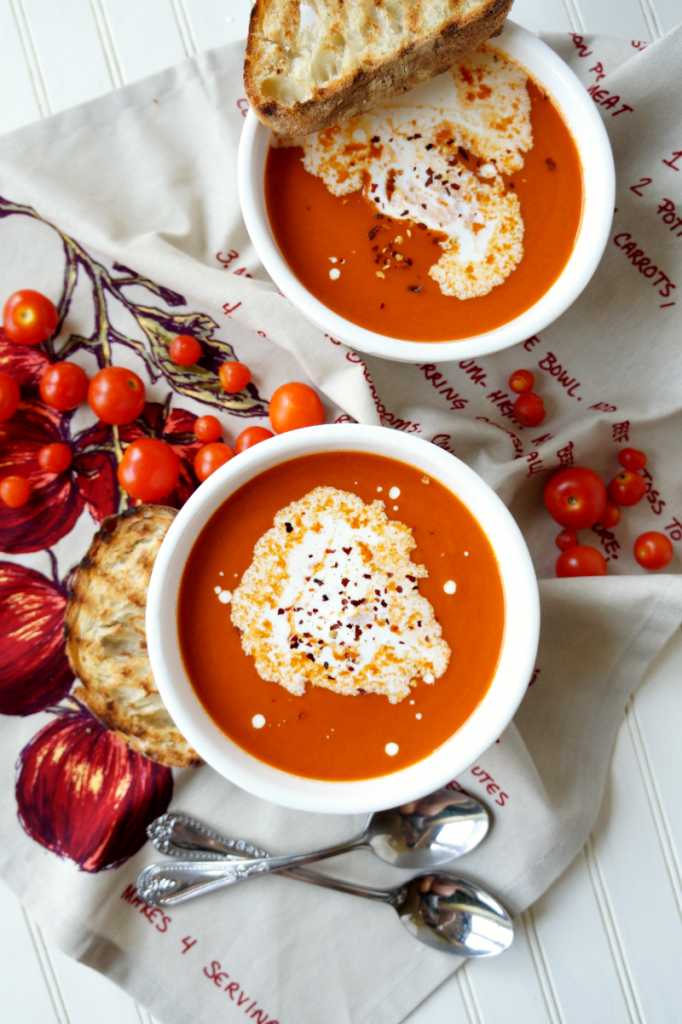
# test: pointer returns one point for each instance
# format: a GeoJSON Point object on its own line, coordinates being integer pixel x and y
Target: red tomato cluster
{"type": "Point", "coordinates": [292, 406]}
{"type": "Point", "coordinates": [576, 498]}
{"type": "Point", "coordinates": [150, 468]}
{"type": "Point", "coordinates": [529, 409]}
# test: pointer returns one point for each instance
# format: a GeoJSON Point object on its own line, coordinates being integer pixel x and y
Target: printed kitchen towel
{"type": "Point", "coordinates": [126, 210]}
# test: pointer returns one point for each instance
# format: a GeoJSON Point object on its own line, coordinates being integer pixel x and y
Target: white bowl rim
{"type": "Point", "coordinates": [585, 123]}
{"type": "Point", "coordinates": [522, 622]}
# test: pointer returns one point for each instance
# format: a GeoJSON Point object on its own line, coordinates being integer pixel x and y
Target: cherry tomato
{"type": "Point", "coordinates": [627, 488]}
{"type": "Point", "coordinates": [251, 436]}
{"type": "Point", "coordinates": [234, 377]}
{"type": "Point", "coordinates": [521, 380]}
{"type": "Point", "coordinates": [185, 350]}
{"type": "Point", "coordinates": [529, 409]}
{"type": "Point", "coordinates": [9, 396]}
{"type": "Point", "coordinates": [566, 539]}
{"type": "Point", "coordinates": [581, 560]}
{"type": "Point", "coordinates": [630, 458]}
{"type": "Point", "coordinates": [29, 317]}
{"type": "Point", "coordinates": [295, 405]}
{"type": "Point", "coordinates": [55, 458]}
{"type": "Point", "coordinates": [15, 491]}
{"type": "Point", "coordinates": [611, 516]}
{"type": "Point", "coordinates": [64, 386]}
{"type": "Point", "coordinates": [207, 428]}
{"type": "Point", "coordinates": [653, 550]}
{"type": "Point", "coordinates": [149, 469]}
{"type": "Point", "coordinates": [116, 395]}
{"type": "Point", "coordinates": [211, 457]}
{"type": "Point", "coordinates": [575, 497]}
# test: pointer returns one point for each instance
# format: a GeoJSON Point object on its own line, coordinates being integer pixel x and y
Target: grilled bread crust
{"type": "Point", "coordinates": [357, 55]}
{"type": "Point", "coordinates": [105, 635]}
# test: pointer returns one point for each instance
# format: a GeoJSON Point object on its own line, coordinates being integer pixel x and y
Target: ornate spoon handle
{"type": "Point", "coordinates": [176, 881]}
{"type": "Point", "coordinates": [178, 835]}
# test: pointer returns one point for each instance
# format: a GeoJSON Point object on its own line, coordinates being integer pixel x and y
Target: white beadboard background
{"type": "Point", "coordinates": [604, 945]}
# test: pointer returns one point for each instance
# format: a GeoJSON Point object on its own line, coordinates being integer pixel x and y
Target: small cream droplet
{"type": "Point", "coordinates": [429, 677]}
{"type": "Point", "coordinates": [395, 508]}
{"type": "Point", "coordinates": [379, 489]}
{"type": "Point", "coordinates": [221, 573]}
{"type": "Point", "coordinates": [333, 259]}
{"type": "Point", "coordinates": [334, 273]}
{"type": "Point", "coordinates": [411, 702]}
{"type": "Point", "coordinates": [466, 554]}
{"type": "Point", "coordinates": [216, 590]}
{"type": "Point", "coordinates": [450, 587]}
{"type": "Point", "coordinates": [394, 493]}
{"type": "Point", "coordinates": [418, 715]}
{"type": "Point", "coordinates": [258, 721]}
{"type": "Point", "coordinates": [225, 597]}
{"type": "Point", "coordinates": [391, 749]}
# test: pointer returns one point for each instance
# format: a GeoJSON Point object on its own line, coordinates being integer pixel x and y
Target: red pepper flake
{"type": "Point", "coordinates": [345, 581]}
{"type": "Point", "coordinates": [550, 163]}
{"type": "Point", "coordinates": [303, 714]}
{"type": "Point", "coordinates": [347, 551]}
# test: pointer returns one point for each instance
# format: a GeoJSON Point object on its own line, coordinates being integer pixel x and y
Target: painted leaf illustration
{"type": "Point", "coordinates": [199, 381]}
{"type": "Point", "coordinates": [26, 363]}
{"type": "Point", "coordinates": [95, 468]}
{"type": "Point", "coordinates": [34, 671]}
{"type": "Point", "coordinates": [83, 794]}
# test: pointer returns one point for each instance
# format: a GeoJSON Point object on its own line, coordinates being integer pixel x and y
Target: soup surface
{"type": "Point", "coordinates": [322, 734]}
{"type": "Point", "coordinates": [437, 220]}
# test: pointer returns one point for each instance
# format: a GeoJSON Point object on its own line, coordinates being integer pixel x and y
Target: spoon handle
{"type": "Point", "coordinates": [179, 835]}
{"type": "Point", "coordinates": [176, 881]}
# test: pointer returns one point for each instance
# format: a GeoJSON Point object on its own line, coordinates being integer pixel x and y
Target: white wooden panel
{"type": "Point", "coordinates": [69, 50]}
{"type": "Point", "coordinates": [26, 997]}
{"type": "Point", "coordinates": [508, 989]}
{"type": "Point", "coordinates": [215, 22]}
{"type": "Point", "coordinates": [576, 948]}
{"type": "Point", "coordinates": [636, 883]}
{"type": "Point", "coordinates": [541, 15]}
{"type": "Point", "coordinates": [621, 18]}
{"type": "Point", "coordinates": [19, 101]}
{"type": "Point", "coordinates": [668, 13]}
{"type": "Point", "coordinates": [146, 36]}
{"type": "Point", "coordinates": [82, 989]}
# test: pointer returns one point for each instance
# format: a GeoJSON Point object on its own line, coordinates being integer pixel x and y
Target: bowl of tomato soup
{"type": "Point", "coordinates": [342, 618]}
{"type": "Point", "coordinates": [459, 220]}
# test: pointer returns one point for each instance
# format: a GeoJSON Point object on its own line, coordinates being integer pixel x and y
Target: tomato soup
{"type": "Point", "coordinates": [435, 221]}
{"type": "Point", "coordinates": [319, 733]}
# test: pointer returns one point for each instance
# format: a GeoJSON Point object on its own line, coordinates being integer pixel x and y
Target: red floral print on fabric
{"type": "Point", "coordinates": [83, 794]}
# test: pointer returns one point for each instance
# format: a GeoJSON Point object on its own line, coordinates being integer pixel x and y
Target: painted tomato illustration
{"type": "Point", "coordinates": [177, 429]}
{"type": "Point", "coordinates": [34, 672]}
{"type": "Point", "coordinates": [84, 795]}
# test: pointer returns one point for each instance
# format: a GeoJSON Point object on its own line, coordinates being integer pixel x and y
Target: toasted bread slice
{"type": "Point", "coordinates": [311, 64]}
{"type": "Point", "coordinates": [106, 642]}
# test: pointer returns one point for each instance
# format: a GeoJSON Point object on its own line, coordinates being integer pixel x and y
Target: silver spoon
{"type": "Point", "coordinates": [440, 910]}
{"type": "Point", "coordinates": [422, 834]}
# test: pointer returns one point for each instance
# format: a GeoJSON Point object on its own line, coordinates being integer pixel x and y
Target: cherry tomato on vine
{"type": "Point", "coordinates": [9, 396]}
{"type": "Point", "coordinates": [581, 560]}
{"type": "Point", "coordinates": [610, 517]}
{"type": "Point", "coordinates": [251, 436]}
{"type": "Point", "coordinates": [116, 395]}
{"type": "Point", "coordinates": [653, 550]}
{"type": "Point", "coordinates": [29, 317]}
{"type": "Point", "coordinates": [208, 428]}
{"type": "Point", "coordinates": [211, 457]}
{"type": "Point", "coordinates": [234, 377]}
{"type": "Point", "coordinates": [521, 380]}
{"type": "Point", "coordinates": [630, 458]}
{"type": "Point", "coordinates": [295, 405]}
{"type": "Point", "coordinates": [627, 488]}
{"type": "Point", "coordinates": [149, 469]}
{"type": "Point", "coordinates": [15, 491]}
{"type": "Point", "coordinates": [64, 386]}
{"type": "Point", "coordinates": [529, 409]}
{"type": "Point", "coordinates": [566, 539]}
{"type": "Point", "coordinates": [185, 350]}
{"type": "Point", "coordinates": [55, 458]}
{"type": "Point", "coordinates": [575, 497]}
